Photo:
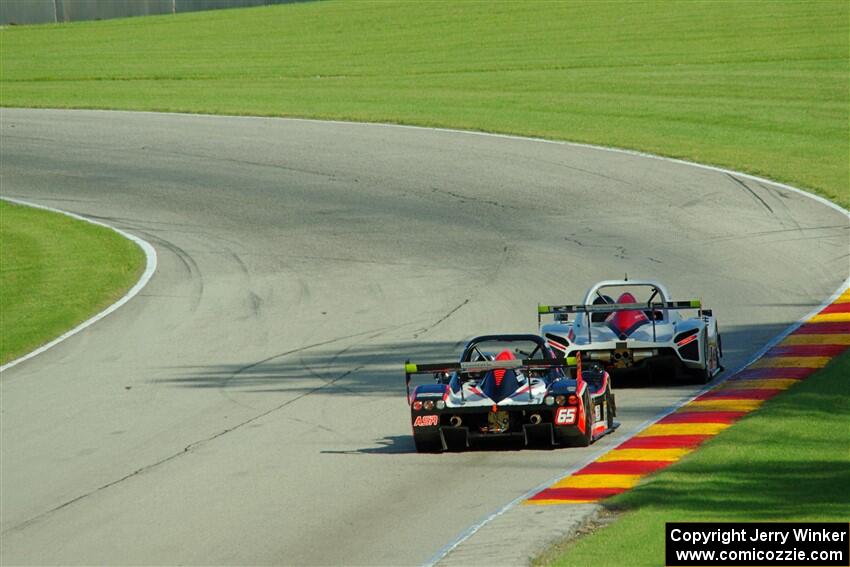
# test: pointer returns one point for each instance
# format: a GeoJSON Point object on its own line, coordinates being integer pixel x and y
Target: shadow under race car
{"type": "Point", "coordinates": [510, 386]}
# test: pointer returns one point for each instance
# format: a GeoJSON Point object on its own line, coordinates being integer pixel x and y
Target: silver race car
{"type": "Point", "coordinates": [641, 328]}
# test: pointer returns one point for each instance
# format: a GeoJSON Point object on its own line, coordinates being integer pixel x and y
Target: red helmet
{"type": "Point", "coordinates": [499, 374]}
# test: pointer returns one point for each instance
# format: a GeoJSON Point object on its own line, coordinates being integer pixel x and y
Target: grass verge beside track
{"type": "Point", "coordinates": [755, 88]}
{"type": "Point", "coordinates": [56, 272]}
{"type": "Point", "coordinates": [787, 461]}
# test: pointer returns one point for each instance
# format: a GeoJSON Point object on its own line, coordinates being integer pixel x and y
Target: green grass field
{"type": "Point", "coordinates": [55, 272]}
{"type": "Point", "coordinates": [788, 461]}
{"type": "Point", "coordinates": [756, 87]}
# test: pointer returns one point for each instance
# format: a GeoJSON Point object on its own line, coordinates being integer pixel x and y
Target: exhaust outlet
{"type": "Point", "coordinates": [455, 421]}
{"type": "Point", "coordinates": [639, 355]}
{"type": "Point", "coordinates": [536, 419]}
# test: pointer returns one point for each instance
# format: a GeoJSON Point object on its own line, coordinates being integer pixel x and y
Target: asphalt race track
{"type": "Point", "coordinates": [248, 407]}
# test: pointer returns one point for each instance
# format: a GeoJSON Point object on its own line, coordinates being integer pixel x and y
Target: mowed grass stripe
{"type": "Point", "coordinates": [56, 272]}
{"type": "Point", "coordinates": [738, 85]}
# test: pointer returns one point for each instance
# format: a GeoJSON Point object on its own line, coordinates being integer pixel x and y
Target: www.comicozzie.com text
{"type": "Point", "coordinates": [726, 536]}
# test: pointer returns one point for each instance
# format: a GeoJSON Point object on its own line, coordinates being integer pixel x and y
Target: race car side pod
{"type": "Point", "coordinates": [481, 366]}
{"type": "Point", "coordinates": [612, 307]}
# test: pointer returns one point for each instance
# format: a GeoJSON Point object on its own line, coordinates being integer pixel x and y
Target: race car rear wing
{"type": "Point", "coordinates": [481, 366]}
{"type": "Point", "coordinates": [612, 307]}
{"type": "Point", "coordinates": [588, 310]}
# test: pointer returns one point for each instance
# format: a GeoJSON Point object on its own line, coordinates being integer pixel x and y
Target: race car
{"type": "Point", "coordinates": [509, 386]}
{"type": "Point", "coordinates": [641, 328]}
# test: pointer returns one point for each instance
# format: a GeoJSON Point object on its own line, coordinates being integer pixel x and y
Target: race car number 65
{"type": "Point", "coordinates": [565, 416]}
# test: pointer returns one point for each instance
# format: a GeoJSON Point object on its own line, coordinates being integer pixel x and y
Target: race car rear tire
{"type": "Point", "coordinates": [702, 375]}
{"type": "Point", "coordinates": [585, 439]}
{"type": "Point", "coordinates": [428, 444]}
{"type": "Point", "coordinates": [609, 409]}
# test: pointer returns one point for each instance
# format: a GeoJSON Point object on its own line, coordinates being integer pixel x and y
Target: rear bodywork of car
{"type": "Point", "coordinates": [536, 399]}
{"type": "Point", "coordinates": [628, 333]}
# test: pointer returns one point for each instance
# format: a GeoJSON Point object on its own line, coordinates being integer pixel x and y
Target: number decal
{"type": "Point", "coordinates": [565, 416]}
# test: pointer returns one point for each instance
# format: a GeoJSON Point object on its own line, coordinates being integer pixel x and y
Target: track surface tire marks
{"type": "Point", "coordinates": [247, 406]}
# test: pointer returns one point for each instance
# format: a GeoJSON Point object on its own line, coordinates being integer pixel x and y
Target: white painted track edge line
{"type": "Point", "coordinates": [147, 274]}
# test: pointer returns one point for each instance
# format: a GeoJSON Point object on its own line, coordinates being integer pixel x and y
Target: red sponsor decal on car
{"type": "Point", "coordinates": [565, 416]}
{"type": "Point", "coordinates": [426, 421]}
